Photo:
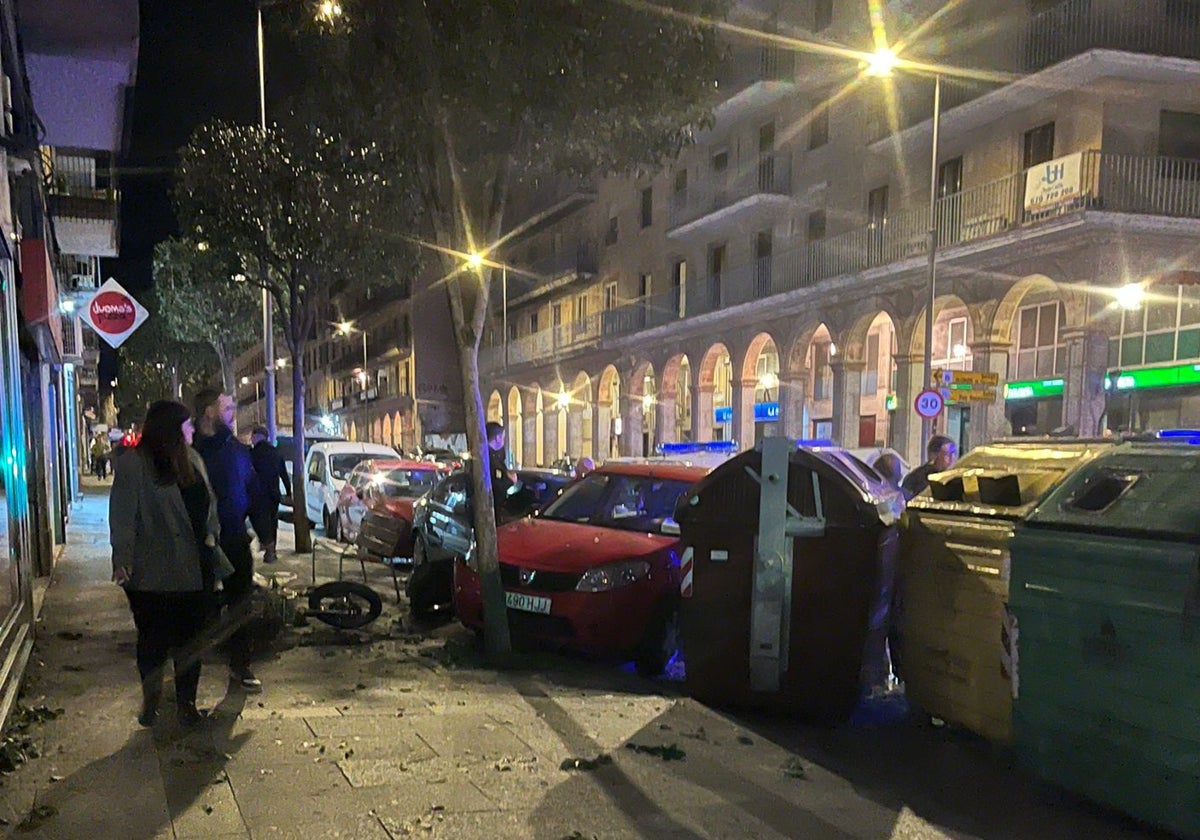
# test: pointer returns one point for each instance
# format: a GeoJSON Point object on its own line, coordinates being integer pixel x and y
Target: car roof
{"type": "Point", "coordinates": [665, 469]}
{"type": "Point", "coordinates": [345, 447]}
{"type": "Point", "coordinates": [398, 464]}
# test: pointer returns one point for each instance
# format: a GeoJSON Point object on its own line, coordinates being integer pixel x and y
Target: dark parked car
{"type": "Point", "coordinates": [442, 531]}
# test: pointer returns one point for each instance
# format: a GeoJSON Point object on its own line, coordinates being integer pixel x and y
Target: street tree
{"type": "Point", "coordinates": [155, 365]}
{"type": "Point", "coordinates": [199, 305]}
{"type": "Point", "coordinates": [310, 216]}
{"type": "Point", "coordinates": [488, 93]}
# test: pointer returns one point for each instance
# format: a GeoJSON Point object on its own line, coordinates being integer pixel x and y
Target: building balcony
{"type": "Point", "coordinates": [753, 79]}
{"type": "Point", "coordinates": [549, 274]}
{"type": "Point", "coordinates": [86, 220]}
{"type": "Point", "coordinates": [1151, 27]}
{"type": "Point", "coordinates": [753, 198]}
{"type": "Point", "coordinates": [975, 219]}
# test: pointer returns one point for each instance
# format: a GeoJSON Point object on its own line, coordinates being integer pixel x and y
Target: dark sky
{"type": "Point", "coordinates": [196, 62]}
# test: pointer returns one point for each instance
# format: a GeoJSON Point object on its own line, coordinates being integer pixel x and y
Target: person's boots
{"type": "Point", "coordinates": [269, 552]}
{"type": "Point", "coordinates": [151, 697]}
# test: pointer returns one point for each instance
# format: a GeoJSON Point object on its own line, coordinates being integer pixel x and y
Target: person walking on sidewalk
{"type": "Point", "coordinates": [163, 526]}
{"type": "Point", "coordinates": [239, 495]}
{"type": "Point", "coordinates": [271, 470]}
{"type": "Point", "coordinates": [100, 451]}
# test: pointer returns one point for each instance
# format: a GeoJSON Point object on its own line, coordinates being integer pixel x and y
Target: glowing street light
{"type": "Point", "coordinates": [345, 327]}
{"type": "Point", "coordinates": [562, 400]}
{"type": "Point", "coordinates": [882, 62]}
{"type": "Point", "coordinates": [768, 381]}
{"type": "Point", "coordinates": [245, 380]}
{"type": "Point", "coordinates": [329, 11]}
{"type": "Point", "coordinates": [1131, 296]}
{"type": "Point", "coordinates": [475, 260]}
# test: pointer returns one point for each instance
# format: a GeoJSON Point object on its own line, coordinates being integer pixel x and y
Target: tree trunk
{"type": "Point", "coordinates": [299, 490]}
{"type": "Point", "coordinates": [226, 363]}
{"type": "Point", "coordinates": [496, 638]}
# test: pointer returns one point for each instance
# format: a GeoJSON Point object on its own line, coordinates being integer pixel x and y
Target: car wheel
{"type": "Point", "coordinates": [660, 642]}
{"type": "Point", "coordinates": [327, 521]}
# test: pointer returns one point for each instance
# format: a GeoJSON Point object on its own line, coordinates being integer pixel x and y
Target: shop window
{"type": "Point", "coordinates": [1160, 347]}
{"type": "Point", "coordinates": [1131, 350]}
{"type": "Point", "coordinates": [1188, 346]}
{"type": "Point", "coordinates": [1039, 352]}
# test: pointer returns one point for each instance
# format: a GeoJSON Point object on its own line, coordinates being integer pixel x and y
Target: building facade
{"type": "Point", "coordinates": [773, 279]}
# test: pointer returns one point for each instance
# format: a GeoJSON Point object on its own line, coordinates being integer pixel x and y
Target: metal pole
{"type": "Point", "coordinates": [364, 332]}
{"type": "Point", "coordinates": [927, 425]}
{"type": "Point", "coordinates": [504, 310]}
{"type": "Point", "coordinates": [268, 326]}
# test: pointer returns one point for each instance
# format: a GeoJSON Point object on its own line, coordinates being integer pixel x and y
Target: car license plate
{"type": "Point", "coordinates": [528, 603]}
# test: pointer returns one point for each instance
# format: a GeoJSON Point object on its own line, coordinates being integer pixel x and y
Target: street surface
{"type": "Point", "coordinates": [400, 731]}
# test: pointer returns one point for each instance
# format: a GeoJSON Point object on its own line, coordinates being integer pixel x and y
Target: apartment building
{"type": "Point", "coordinates": [774, 278]}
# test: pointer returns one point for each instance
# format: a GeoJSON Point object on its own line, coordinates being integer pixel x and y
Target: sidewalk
{"type": "Point", "coordinates": [394, 733]}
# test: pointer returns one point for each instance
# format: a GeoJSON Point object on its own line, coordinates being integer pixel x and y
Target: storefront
{"type": "Point", "coordinates": [1034, 406]}
{"type": "Point", "coordinates": [1150, 398]}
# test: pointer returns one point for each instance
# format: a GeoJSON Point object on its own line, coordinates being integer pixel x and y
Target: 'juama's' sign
{"type": "Point", "coordinates": [114, 313]}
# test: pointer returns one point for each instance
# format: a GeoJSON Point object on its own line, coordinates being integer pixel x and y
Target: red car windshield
{"type": "Point", "coordinates": [401, 483]}
{"type": "Point", "coordinates": [627, 502]}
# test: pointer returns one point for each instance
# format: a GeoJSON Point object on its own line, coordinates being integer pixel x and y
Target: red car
{"type": "Point", "coordinates": [597, 569]}
{"type": "Point", "coordinates": [383, 486]}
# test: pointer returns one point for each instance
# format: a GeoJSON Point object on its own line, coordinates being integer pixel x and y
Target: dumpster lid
{"type": "Point", "coordinates": [1006, 479]}
{"type": "Point", "coordinates": [1146, 489]}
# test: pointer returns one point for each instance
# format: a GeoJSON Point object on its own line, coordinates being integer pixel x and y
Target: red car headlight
{"type": "Point", "coordinates": [613, 576]}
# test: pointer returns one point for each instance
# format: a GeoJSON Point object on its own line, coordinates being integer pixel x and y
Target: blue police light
{"type": "Point", "coordinates": [815, 443]}
{"type": "Point", "coordinates": [1188, 436]}
{"type": "Point", "coordinates": [691, 448]}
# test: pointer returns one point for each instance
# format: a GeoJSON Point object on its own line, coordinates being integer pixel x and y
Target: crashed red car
{"type": "Point", "coordinates": [384, 487]}
{"type": "Point", "coordinates": [597, 569]}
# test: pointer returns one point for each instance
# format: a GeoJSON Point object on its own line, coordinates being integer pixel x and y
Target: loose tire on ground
{"type": "Point", "coordinates": [345, 604]}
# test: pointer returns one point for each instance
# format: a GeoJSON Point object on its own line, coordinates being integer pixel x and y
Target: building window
{"type": "Point", "coordinates": [822, 15]}
{"type": "Point", "coordinates": [957, 348]}
{"type": "Point", "coordinates": [647, 207]}
{"type": "Point", "coordinates": [512, 330]}
{"type": "Point", "coordinates": [556, 314]}
{"type": "Point", "coordinates": [581, 308]}
{"type": "Point", "coordinates": [720, 162]}
{"type": "Point", "coordinates": [1167, 328]}
{"type": "Point", "coordinates": [1039, 352]}
{"type": "Point", "coordinates": [1037, 145]}
{"type": "Point", "coordinates": [870, 377]}
{"type": "Point", "coordinates": [610, 296]}
{"type": "Point", "coordinates": [818, 126]}
{"type": "Point", "coordinates": [1179, 135]}
{"type": "Point", "coordinates": [533, 322]}
{"type": "Point", "coordinates": [614, 229]}
{"type": "Point", "coordinates": [816, 226]}
{"type": "Point", "coordinates": [822, 371]}
{"type": "Point", "coordinates": [645, 285]}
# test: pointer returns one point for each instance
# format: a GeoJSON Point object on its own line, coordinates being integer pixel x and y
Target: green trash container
{"type": "Point", "coordinates": [1106, 593]}
{"type": "Point", "coordinates": [954, 572]}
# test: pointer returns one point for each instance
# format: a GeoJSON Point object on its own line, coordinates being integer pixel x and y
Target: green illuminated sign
{"type": "Point", "coordinates": [1033, 389]}
{"type": "Point", "coordinates": [890, 402]}
{"type": "Point", "coordinates": [1158, 377]}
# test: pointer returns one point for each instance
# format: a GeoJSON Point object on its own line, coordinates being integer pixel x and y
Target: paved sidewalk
{"type": "Point", "coordinates": [397, 733]}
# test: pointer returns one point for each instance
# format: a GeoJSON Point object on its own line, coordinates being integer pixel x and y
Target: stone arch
{"type": "Point", "coordinates": [942, 305]}
{"type": "Point", "coordinates": [608, 405]}
{"type": "Point", "coordinates": [1003, 320]}
{"type": "Point", "coordinates": [795, 363]}
{"type": "Point", "coordinates": [378, 431]}
{"type": "Point", "coordinates": [642, 434]}
{"type": "Point", "coordinates": [399, 440]}
{"type": "Point", "coordinates": [675, 386]}
{"type": "Point", "coordinates": [539, 427]}
{"type": "Point", "coordinates": [580, 431]}
{"type": "Point", "coordinates": [353, 431]}
{"type": "Point", "coordinates": [495, 408]}
{"type": "Point", "coordinates": [387, 431]}
{"type": "Point", "coordinates": [715, 395]}
{"type": "Point", "coordinates": [514, 426]}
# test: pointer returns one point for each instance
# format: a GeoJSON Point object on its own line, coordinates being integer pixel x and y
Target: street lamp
{"type": "Point", "coordinates": [345, 328]}
{"type": "Point", "coordinates": [1131, 296]}
{"type": "Point", "coordinates": [327, 11]}
{"type": "Point", "coordinates": [475, 262]}
{"type": "Point", "coordinates": [881, 64]}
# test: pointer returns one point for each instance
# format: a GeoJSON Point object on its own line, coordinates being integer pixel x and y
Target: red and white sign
{"type": "Point", "coordinates": [114, 313]}
{"type": "Point", "coordinates": [929, 403]}
{"type": "Point", "coordinates": [686, 566]}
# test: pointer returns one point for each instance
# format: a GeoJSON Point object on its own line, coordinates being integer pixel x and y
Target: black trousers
{"type": "Point", "coordinates": [237, 599]}
{"type": "Point", "coordinates": [170, 624]}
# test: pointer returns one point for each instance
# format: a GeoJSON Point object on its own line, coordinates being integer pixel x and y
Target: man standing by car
{"type": "Point", "coordinates": [239, 495]}
{"type": "Point", "coordinates": [271, 470]}
{"type": "Point", "coordinates": [940, 456]}
{"type": "Point", "coordinates": [502, 477]}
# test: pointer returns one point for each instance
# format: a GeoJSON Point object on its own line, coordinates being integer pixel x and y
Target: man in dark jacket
{"type": "Point", "coordinates": [239, 495]}
{"type": "Point", "coordinates": [502, 477]}
{"type": "Point", "coordinates": [271, 470]}
{"type": "Point", "coordinates": [940, 456]}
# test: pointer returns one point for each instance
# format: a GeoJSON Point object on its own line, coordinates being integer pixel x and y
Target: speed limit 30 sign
{"type": "Point", "coordinates": [929, 403]}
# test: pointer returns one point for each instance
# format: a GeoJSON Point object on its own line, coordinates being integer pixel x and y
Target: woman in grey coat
{"type": "Point", "coordinates": [163, 529]}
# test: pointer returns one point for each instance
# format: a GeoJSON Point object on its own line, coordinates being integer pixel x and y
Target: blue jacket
{"type": "Point", "coordinates": [234, 482]}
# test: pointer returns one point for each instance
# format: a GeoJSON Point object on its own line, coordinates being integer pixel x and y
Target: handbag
{"type": "Point", "coordinates": [218, 561]}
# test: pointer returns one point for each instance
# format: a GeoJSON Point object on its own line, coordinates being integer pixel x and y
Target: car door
{"type": "Point", "coordinates": [438, 528]}
{"type": "Point", "coordinates": [314, 493]}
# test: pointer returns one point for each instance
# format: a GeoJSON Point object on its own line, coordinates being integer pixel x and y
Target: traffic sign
{"type": "Point", "coordinates": [114, 313]}
{"type": "Point", "coordinates": [929, 403]}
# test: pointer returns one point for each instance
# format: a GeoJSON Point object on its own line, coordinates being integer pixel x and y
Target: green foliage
{"type": "Point", "coordinates": [196, 300]}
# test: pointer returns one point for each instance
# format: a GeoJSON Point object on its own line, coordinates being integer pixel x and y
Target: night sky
{"type": "Point", "coordinates": [196, 62]}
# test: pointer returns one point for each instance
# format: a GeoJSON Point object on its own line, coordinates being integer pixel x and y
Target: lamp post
{"type": "Point", "coordinates": [346, 328]}
{"type": "Point", "coordinates": [328, 10]}
{"type": "Point", "coordinates": [881, 64]}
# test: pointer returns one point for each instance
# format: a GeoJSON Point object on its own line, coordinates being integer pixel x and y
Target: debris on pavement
{"type": "Point", "coordinates": [19, 746]}
{"type": "Point", "coordinates": [37, 817]}
{"type": "Point", "coordinates": [794, 769]}
{"type": "Point", "coordinates": [666, 752]}
{"type": "Point", "coordinates": [586, 764]}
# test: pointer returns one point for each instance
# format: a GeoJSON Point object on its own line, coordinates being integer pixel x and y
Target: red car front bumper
{"type": "Point", "coordinates": [600, 622]}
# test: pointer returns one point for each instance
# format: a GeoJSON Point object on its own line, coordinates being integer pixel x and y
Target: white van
{"type": "Point", "coordinates": [326, 469]}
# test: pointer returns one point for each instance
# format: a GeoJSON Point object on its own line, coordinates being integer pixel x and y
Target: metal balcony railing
{"type": "Point", "coordinates": [80, 188]}
{"type": "Point", "coordinates": [769, 174]}
{"type": "Point", "coordinates": [1155, 27]}
{"type": "Point", "coordinates": [1147, 185]}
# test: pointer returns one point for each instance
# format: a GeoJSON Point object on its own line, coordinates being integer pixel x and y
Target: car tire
{"type": "Point", "coordinates": [426, 598]}
{"type": "Point", "coordinates": [327, 521]}
{"type": "Point", "coordinates": [660, 642]}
